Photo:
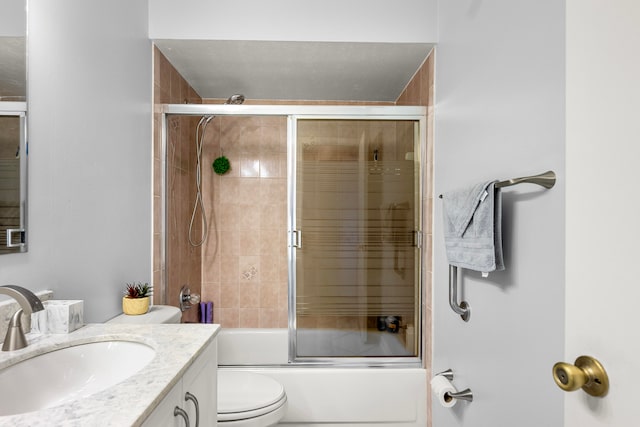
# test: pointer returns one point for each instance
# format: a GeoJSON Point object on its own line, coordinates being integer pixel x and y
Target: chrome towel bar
{"type": "Point", "coordinates": [546, 180]}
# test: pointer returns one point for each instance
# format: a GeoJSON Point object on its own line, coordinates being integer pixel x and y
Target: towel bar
{"type": "Point", "coordinates": [463, 309]}
{"type": "Point", "coordinates": [546, 180]}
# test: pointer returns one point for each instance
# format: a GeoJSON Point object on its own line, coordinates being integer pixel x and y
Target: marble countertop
{"type": "Point", "coordinates": [131, 401]}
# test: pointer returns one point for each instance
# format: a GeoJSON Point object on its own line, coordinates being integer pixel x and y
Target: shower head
{"type": "Point", "coordinates": [235, 99]}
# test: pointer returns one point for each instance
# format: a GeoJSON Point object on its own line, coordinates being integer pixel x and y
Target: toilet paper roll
{"type": "Point", "coordinates": [441, 388]}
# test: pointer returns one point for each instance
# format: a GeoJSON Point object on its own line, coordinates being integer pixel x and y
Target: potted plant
{"type": "Point", "coordinates": [136, 298]}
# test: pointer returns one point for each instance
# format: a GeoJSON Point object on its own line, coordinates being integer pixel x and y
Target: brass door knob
{"type": "Point", "coordinates": [586, 373]}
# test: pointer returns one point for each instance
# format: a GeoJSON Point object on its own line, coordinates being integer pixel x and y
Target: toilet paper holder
{"type": "Point", "coordinates": [465, 394]}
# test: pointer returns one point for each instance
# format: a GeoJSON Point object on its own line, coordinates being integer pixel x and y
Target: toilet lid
{"type": "Point", "coordinates": [247, 394]}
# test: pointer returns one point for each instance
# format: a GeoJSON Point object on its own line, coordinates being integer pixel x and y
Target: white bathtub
{"type": "Point", "coordinates": [328, 396]}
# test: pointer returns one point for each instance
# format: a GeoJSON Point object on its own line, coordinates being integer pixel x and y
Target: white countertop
{"type": "Point", "coordinates": [131, 401]}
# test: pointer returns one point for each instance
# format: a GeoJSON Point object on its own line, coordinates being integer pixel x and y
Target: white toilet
{"type": "Point", "coordinates": [245, 399]}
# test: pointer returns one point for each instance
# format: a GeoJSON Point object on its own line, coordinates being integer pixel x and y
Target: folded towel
{"type": "Point", "coordinates": [473, 227]}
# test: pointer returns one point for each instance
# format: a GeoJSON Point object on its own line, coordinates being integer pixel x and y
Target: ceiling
{"type": "Point", "coordinates": [276, 70]}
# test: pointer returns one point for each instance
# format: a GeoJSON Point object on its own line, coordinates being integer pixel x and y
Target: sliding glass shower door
{"type": "Point", "coordinates": [356, 237]}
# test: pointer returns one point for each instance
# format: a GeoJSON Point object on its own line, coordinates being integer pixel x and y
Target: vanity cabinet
{"type": "Point", "coordinates": [194, 397]}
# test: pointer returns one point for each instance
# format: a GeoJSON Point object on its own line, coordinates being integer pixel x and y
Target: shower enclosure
{"type": "Point", "coordinates": [353, 233]}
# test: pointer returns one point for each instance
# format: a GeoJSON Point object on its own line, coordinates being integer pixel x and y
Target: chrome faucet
{"type": "Point", "coordinates": [29, 302]}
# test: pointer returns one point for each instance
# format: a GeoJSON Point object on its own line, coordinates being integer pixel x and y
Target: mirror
{"type": "Point", "coordinates": [13, 144]}
{"type": "Point", "coordinates": [13, 181]}
{"type": "Point", "coordinates": [13, 51]}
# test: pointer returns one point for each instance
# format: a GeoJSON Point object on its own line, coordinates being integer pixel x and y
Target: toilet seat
{"type": "Point", "coordinates": [249, 399]}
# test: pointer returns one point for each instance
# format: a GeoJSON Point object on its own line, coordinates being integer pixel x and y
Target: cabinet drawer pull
{"type": "Point", "coordinates": [188, 396]}
{"type": "Point", "coordinates": [179, 411]}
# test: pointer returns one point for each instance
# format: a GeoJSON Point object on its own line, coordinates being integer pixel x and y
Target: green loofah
{"type": "Point", "coordinates": [221, 165]}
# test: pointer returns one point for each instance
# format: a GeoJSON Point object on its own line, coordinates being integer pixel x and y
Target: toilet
{"type": "Point", "coordinates": [248, 399]}
{"type": "Point", "coordinates": [245, 399]}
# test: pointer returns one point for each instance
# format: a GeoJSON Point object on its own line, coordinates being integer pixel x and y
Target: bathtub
{"type": "Point", "coordinates": [328, 396]}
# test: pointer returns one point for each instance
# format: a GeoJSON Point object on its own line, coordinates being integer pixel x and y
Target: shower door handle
{"type": "Point", "coordinates": [296, 239]}
{"type": "Point", "coordinates": [417, 238]}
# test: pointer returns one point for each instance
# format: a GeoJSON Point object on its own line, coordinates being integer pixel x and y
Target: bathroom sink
{"type": "Point", "coordinates": [70, 373]}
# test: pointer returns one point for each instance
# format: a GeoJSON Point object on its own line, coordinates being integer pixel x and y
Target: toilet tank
{"type": "Point", "coordinates": [156, 314]}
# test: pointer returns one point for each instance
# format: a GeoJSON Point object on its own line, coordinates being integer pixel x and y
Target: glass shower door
{"type": "Point", "coordinates": [357, 238]}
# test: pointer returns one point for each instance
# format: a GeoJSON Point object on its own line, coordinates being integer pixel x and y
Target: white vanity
{"type": "Point", "coordinates": [184, 364]}
{"type": "Point", "coordinates": [193, 398]}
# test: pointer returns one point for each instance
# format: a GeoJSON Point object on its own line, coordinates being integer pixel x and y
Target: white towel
{"type": "Point", "coordinates": [473, 227]}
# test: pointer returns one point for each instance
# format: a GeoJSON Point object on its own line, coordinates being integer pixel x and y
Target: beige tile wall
{"type": "Point", "coordinates": [420, 91]}
{"type": "Point", "coordinates": [184, 267]}
{"type": "Point", "coordinates": [244, 262]}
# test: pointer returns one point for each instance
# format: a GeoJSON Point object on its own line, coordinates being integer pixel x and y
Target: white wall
{"type": "Point", "coordinates": [410, 21]}
{"type": "Point", "coordinates": [89, 93]}
{"type": "Point", "coordinates": [500, 114]}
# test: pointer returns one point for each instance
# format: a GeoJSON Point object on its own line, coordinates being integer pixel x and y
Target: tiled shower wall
{"type": "Point", "coordinates": [244, 261]}
{"type": "Point", "coordinates": [184, 268]}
